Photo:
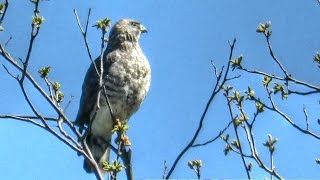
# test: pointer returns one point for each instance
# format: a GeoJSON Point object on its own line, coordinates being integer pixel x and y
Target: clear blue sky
{"type": "Point", "coordinates": [184, 36]}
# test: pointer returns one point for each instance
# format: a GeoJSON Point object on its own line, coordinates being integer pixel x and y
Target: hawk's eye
{"type": "Point", "coordinates": [134, 23]}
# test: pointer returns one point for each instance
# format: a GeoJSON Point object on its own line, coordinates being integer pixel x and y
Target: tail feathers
{"type": "Point", "coordinates": [100, 150]}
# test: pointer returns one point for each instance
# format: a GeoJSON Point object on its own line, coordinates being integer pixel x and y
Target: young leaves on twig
{"type": "Point", "coordinates": [44, 71]}
{"type": "Point", "coordinates": [266, 80]}
{"type": "Point", "coordinates": [37, 20]}
{"type": "Point", "coordinates": [264, 28]}
{"type": "Point", "coordinates": [280, 88]}
{"type": "Point", "coordinates": [236, 63]}
{"type": "Point", "coordinates": [270, 143]}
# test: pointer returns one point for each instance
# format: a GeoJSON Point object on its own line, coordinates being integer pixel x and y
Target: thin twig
{"type": "Point", "coordinates": [34, 33]}
{"type": "Point", "coordinates": [271, 165]}
{"type": "Point", "coordinates": [27, 117]}
{"type": "Point", "coordinates": [274, 56]}
{"type": "Point", "coordinates": [13, 76]}
{"type": "Point", "coordinates": [68, 104]}
{"type": "Point", "coordinates": [165, 169]}
{"type": "Point", "coordinates": [306, 117]}
{"type": "Point", "coordinates": [84, 35]}
{"type": "Point", "coordinates": [7, 42]}
{"type": "Point", "coordinates": [48, 83]}
{"type": "Point", "coordinates": [215, 138]}
{"type": "Point", "coordinates": [214, 68]}
{"type": "Point", "coordinates": [29, 120]}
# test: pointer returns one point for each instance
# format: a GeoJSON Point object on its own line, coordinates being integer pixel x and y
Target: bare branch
{"type": "Point", "coordinates": [7, 70]}
{"type": "Point", "coordinates": [49, 88]}
{"type": "Point", "coordinates": [289, 78]}
{"type": "Point", "coordinates": [306, 117]}
{"type": "Point", "coordinates": [215, 138]}
{"type": "Point", "coordinates": [7, 42]}
{"type": "Point", "coordinates": [165, 169]}
{"type": "Point", "coordinates": [25, 119]}
{"type": "Point", "coordinates": [276, 109]}
{"type": "Point", "coordinates": [274, 56]}
{"type": "Point", "coordinates": [33, 35]}
{"type": "Point", "coordinates": [84, 35]}
{"type": "Point", "coordinates": [215, 69]}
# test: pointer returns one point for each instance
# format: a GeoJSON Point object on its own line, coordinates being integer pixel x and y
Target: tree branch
{"type": "Point", "coordinates": [216, 90]}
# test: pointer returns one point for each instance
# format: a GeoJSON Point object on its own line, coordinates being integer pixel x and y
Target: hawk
{"type": "Point", "coordinates": [126, 78]}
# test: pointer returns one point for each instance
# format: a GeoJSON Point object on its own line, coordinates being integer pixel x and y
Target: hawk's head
{"type": "Point", "coordinates": [127, 30]}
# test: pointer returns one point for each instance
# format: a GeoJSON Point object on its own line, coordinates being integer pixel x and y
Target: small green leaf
{"type": "Point", "coordinates": [103, 24]}
{"type": "Point", "coordinates": [316, 59]}
{"type": "Point", "coordinates": [318, 160]}
{"type": "Point", "coordinates": [227, 149]}
{"type": "Point", "coordinates": [235, 143]}
{"type": "Point", "coordinates": [250, 93]}
{"type": "Point", "coordinates": [266, 80]}
{"type": "Point", "coordinates": [56, 86]}
{"type": "Point", "coordinates": [270, 143]}
{"type": "Point", "coordinates": [37, 20]}
{"type": "Point", "coordinates": [238, 97]}
{"type": "Point", "coordinates": [259, 106]}
{"type": "Point", "coordinates": [280, 88]}
{"type": "Point", "coordinates": [1, 28]}
{"type": "Point", "coordinates": [114, 166]}
{"type": "Point", "coordinates": [236, 63]}
{"type": "Point", "coordinates": [263, 27]}
{"type": "Point", "coordinates": [59, 96]}
{"type": "Point", "coordinates": [2, 7]}
{"type": "Point", "coordinates": [226, 138]}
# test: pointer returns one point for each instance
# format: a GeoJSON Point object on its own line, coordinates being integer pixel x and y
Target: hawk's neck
{"type": "Point", "coordinates": [124, 42]}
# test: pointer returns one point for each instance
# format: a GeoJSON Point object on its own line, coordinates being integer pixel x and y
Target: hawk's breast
{"type": "Point", "coordinates": [127, 82]}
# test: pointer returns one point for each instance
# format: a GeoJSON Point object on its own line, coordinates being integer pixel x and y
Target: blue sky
{"type": "Point", "coordinates": [183, 37]}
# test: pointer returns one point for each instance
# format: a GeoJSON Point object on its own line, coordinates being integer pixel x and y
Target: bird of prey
{"type": "Point", "coordinates": [126, 78]}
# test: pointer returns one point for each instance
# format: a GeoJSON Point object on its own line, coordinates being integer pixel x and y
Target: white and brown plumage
{"type": "Point", "coordinates": [126, 78]}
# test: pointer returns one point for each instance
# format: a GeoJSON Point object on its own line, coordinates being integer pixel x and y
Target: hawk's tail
{"type": "Point", "coordinates": [100, 150]}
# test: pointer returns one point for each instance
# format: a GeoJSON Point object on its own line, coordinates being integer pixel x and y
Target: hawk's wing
{"type": "Point", "coordinates": [90, 89]}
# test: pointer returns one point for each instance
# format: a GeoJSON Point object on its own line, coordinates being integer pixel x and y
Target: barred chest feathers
{"type": "Point", "coordinates": [127, 81]}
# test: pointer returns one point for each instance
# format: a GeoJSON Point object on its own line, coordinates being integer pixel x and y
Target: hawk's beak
{"type": "Point", "coordinates": [143, 29]}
